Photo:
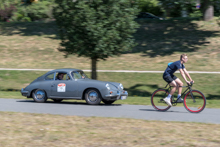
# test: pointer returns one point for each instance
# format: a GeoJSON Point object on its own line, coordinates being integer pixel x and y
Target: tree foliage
{"type": "Point", "coordinates": [25, 10]}
{"type": "Point", "coordinates": [207, 6]}
{"type": "Point", "coordinates": [96, 29]}
{"type": "Point", "coordinates": [152, 6]}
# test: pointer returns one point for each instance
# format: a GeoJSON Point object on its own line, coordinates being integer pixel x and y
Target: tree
{"type": "Point", "coordinates": [207, 9]}
{"type": "Point", "coordinates": [96, 29]}
{"type": "Point", "coordinates": [206, 6]}
{"type": "Point", "coordinates": [151, 6]}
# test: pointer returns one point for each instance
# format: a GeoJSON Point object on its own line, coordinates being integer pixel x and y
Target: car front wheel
{"type": "Point", "coordinates": [92, 97]}
{"type": "Point", "coordinates": [39, 96]}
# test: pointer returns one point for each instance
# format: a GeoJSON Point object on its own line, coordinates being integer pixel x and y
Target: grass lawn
{"type": "Point", "coordinates": [24, 129]}
{"type": "Point", "coordinates": [34, 45]}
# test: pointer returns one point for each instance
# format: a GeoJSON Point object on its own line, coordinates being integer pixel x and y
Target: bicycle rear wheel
{"type": "Point", "coordinates": [195, 101]}
{"type": "Point", "coordinates": [157, 100]}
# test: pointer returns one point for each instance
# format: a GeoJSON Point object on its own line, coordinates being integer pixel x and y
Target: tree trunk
{"type": "Point", "coordinates": [94, 75]}
{"type": "Point", "coordinates": [208, 10]}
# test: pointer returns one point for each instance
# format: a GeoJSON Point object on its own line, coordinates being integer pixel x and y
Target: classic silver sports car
{"type": "Point", "coordinates": [70, 83]}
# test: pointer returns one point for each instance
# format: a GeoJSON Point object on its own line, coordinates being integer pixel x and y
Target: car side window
{"type": "Point", "coordinates": [66, 77]}
{"type": "Point", "coordinates": [76, 75]}
{"type": "Point", "coordinates": [62, 76]}
{"type": "Point", "coordinates": [49, 77]}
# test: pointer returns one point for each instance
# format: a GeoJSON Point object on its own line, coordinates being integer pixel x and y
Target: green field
{"type": "Point", "coordinates": [35, 45]}
{"type": "Point", "coordinates": [140, 86]}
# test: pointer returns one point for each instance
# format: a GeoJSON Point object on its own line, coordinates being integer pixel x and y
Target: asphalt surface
{"type": "Point", "coordinates": [115, 110]}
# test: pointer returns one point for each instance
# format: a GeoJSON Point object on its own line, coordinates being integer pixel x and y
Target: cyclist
{"type": "Point", "coordinates": [175, 82]}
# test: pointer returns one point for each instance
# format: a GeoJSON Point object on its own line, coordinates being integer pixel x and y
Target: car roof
{"type": "Point", "coordinates": [65, 70]}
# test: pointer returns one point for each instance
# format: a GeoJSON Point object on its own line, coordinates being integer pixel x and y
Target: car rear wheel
{"type": "Point", "coordinates": [39, 96]}
{"type": "Point", "coordinates": [57, 100]}
{"type": "Point", "coordinates": [92, 97]}
{"type": "Point", "coordinates": [108, 102]}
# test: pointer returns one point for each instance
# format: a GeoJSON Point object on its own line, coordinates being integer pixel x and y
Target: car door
{"type": "Point", "coordinates": [65, 88]}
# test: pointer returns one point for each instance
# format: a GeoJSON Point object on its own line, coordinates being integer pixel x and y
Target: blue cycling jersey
{"type": "Point", "coordinates": [172, 67]}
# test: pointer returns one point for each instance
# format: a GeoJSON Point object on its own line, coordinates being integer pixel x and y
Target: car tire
{"type": "Point", "coordinates": [108, 102]}
{"type": "Point", "coordinates": [39, 96]}
{"type": "Point", "coordinates": [57, 100]}
{"type": "Point", "coordinates": [92, 97]}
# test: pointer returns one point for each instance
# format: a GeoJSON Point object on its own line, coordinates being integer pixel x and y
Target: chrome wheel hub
{"type": "Point", "coordinates": [40, 94]}
{"type": "Point", "coordinates": [93, 96]}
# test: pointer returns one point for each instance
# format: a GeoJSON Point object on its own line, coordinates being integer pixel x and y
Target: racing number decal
{"type": "Point", "coordinates": [61, 87]}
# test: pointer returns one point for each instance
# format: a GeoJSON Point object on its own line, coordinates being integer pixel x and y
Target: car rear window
{"type": "Point", "coordinates": [50, 76]}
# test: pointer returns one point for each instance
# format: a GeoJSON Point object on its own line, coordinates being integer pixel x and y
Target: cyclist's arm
{"type": "Point", "coordinates": [183, 75]}
{"type": "Point", "coordinates": [187, 74]}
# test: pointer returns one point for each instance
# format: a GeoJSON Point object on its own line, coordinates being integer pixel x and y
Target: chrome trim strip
{"type": "Point", "coordinates": [79, 98]}
{"type": "Point", "coordinates": [119, 93]}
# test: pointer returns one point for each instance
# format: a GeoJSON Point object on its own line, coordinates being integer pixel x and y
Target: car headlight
{"type": "Point", "coordinates": [107, 86]}
{"type": "Point", "coordinates": [121, 86]}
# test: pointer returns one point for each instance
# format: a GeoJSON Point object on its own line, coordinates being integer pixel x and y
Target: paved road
{"type": "Point", "coordinates": [115, 110]}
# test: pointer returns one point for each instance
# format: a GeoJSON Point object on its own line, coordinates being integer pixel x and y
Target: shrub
{"type": "Point", "coordinates": [6, 12]}
{"type": "Point", "coordinates": [196, 13]}
{"type": "Point", "coordinates": [34, 11]}
{"type": "Point", "coordinates": [151, 6]}
{"type": "Point", "coordinates": [21, 15]}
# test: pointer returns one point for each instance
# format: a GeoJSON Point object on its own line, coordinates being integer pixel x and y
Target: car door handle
{"type": "Point", "coordinates": [52, 85]}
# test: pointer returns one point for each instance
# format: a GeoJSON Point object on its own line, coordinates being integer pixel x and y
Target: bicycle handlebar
{"type": "Point", "coordinates": [191, 83]}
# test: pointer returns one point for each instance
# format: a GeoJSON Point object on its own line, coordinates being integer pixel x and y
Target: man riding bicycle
{"type": "Point", "coordinates": [175, 82]}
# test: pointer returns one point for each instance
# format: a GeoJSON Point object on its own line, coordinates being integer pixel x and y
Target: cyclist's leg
{"type": "Point", "coordinates": [180, 85]}
{"type": "Point", "coordinates": [170, 79]}
{"type": "Point", "coordinates": [174, 85]}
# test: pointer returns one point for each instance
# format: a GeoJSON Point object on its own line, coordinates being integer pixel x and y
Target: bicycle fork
{"type": "Point", "coordinates": [192, 97]}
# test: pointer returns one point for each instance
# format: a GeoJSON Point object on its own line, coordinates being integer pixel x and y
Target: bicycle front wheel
{"type": "Point", "coordinates": [194, 101]}
{"type": "Point", "coordinates": [157, 100]}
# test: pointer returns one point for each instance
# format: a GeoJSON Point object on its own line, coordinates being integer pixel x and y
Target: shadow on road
{"type": "Point", "coordinates": [65, 102]}
{"type": "Point", "coordinates": [169, 111]}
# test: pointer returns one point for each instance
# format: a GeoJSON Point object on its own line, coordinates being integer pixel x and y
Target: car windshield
{"type": "Point", "coordinates": [78, 75]}
{"type": "Point", "coordinates": [151, 14]}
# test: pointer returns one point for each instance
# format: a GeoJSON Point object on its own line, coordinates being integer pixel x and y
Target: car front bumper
{"type": "Point", "coordinates": [120, 95]}
{"type": "Point", "coordinates": [24, 92]}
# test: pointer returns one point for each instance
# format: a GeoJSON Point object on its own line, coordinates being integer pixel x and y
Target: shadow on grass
{"type": "Point", "coordinates": [10, 89]}
{"type": "Point", "coordinates": [212, 96]}
{"type": "Point", "coordinates": [153, 38]}
{"type": "Point", "coordinates": [134, 91]}
{"type": "Point", "coordinates": [163, 38]}
{"type": "Point", "coordinates": [29, 29]}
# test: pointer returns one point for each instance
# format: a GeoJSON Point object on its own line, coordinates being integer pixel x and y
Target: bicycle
{"type": "Point", "coordinates": [194, 101]}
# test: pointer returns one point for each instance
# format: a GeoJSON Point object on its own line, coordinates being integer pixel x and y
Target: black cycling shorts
{"type": "Point", "coordinates": [169, 78]}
